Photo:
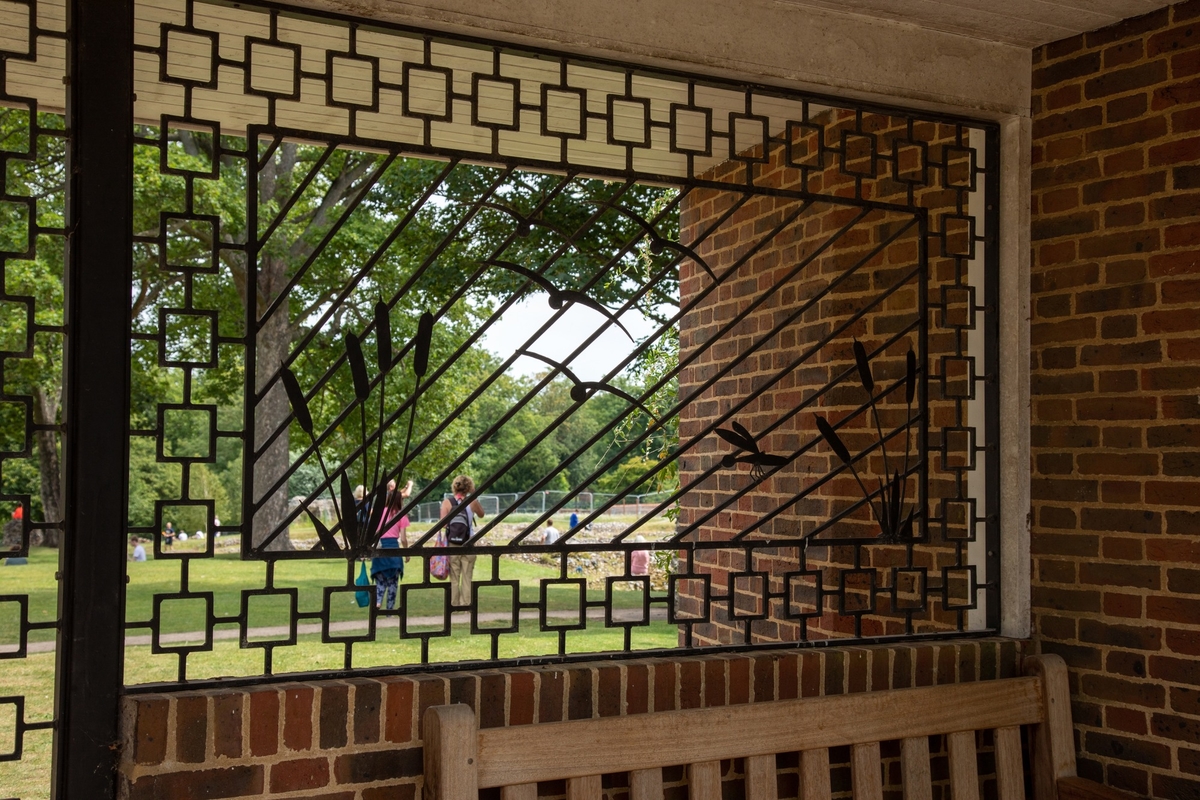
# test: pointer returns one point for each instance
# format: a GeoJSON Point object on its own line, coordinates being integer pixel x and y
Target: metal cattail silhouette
{"type": "Point", "coordinates": [894, 524]}
{"type": "Point", "coordinates": [360, 535]}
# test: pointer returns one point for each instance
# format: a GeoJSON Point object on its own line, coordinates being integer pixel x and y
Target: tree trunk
{"type": "Point", "coordinates": [45, 412]}
{"type": "Point", "coordinates": [274, 341]}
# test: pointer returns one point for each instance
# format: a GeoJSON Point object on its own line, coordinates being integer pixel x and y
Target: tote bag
{"type": "Point", "coordinates": [439, 566]}
{"type": "Point", "coordinates": [362, 597]}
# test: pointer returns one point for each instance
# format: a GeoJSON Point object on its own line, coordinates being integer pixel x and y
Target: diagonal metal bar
{"type": "Point", "coordinates": [846, 325]}
{"type": "Point", "coordinates": [697, 391]}
{"type": "Point", "coordinates": [399, 357]}
{"type": "Point", "coordinates": [359, 196]}
{"type": "Point", "coordinates": [549, 429]}
{"type": "Point", "coordinates": [448, 363]}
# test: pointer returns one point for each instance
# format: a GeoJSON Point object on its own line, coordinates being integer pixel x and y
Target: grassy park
{"type": "Point", "coordinates": [226, 575]}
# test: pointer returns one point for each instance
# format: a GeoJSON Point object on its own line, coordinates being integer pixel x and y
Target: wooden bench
{"type": "Point", "coordinates": [460, 759]}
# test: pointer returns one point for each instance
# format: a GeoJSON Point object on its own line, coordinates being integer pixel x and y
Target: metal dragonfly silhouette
{"type": "Point", "coordinates": [894, 524]}
{"type": "Point", "coordinates": [743, 440]}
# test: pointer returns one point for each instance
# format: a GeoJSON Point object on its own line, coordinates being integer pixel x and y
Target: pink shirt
{"type": "Point", "coordinates": [395, 529]}
{"type": "Point", "coordinates": [639, 562]}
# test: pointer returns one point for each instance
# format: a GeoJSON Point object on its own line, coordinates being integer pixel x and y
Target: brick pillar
{"type": "Point", "coordinates": [1116, 380]}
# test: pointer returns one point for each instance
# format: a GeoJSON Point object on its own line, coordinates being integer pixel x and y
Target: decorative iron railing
{"type": "Point", "coordinates": [33, 145]}
{"type": "Point", "coordinates": [368, 254]}
{"type": "Point", "coordinates": [745, 335]}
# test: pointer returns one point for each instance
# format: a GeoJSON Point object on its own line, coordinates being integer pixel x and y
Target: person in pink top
{"type": "Point", "coordinates": [395, 525]}
{"type": "Point", "coordinates": [639, 560]}
{"type": "Point", "coordinates": [388, 570]}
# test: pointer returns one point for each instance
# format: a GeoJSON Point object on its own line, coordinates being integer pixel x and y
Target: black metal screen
{"type": "Point", "coordinates": [736, 344]}
{"type": "Point", "coordinates": [33, 145]}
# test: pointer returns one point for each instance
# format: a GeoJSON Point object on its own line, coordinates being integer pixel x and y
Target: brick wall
{"type": "Point", "coordinates": [1116, 379]}
{"type": "Point", "coordinates": [843, 273]}
{"type": "Point", "coordinates": [361, 739]}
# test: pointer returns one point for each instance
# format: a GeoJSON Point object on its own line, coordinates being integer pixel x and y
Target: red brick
{"type": "Point", "coordinates": [715, 682]}
{"type": "Point", "coordinates": [264, 723]}
{"type": "Point", "coordinates": [207, 784]}
{"type": "Point", "coordinates": [398, 711]}
{"type": "Point", "coordinates": [300, 774]}
{"type": "Point", "coordinates": [1126, 748]}
{"type": "Point", "coordinates": [608, 692]}
{"type": "Point", "coordinates": [1173, 609]}
{"type": "Point", "coordinates": [1184, 642]}
{"type": "Point", "coordinates": [1131, 28]}
{"type": "Point", "coordinates": [1122, 605]}
{"type": "Point", "coordinates": [1123, 81]}
{"type": "Point", "coordinates": [522, 695]}
{"type": "Point", "coordinates": [857, 670]}
{"type": "Point", "coordinates": [580, 683]}
{"type": "Point", "coordinates": [1138, 693]}
{"type": "Point", "coordinates": [334, 715]}
{"type": "Point", "coordinates": [1126, 719]}
{"type": "Point", "coordinates": [1061, 71]}
{"type": "Point", "coordinates": [665, 678]}
{"type": "Point", "coordinates": [551, 695]}
{"type": "Point", "coordinates": [637, 689]}
{"type": "Point", "coordinates": [789, 676]}
{"type": "Point", "coordinates": [403, 791]}
{"type": "Point", "coordinates": [377, 765]}
{"type": "Point", "coordinates": [191, 728]}
{"type": "Point", "coordinates": [297, 717]}
{"type": "Point", "coordinates": [150, 730]}
{"type": "Point", "coordinates": [227, 725]}
{"type": "Point", "coordinates": [368, 700]}
{"type": "Point", "coordinates": [1182, 493]}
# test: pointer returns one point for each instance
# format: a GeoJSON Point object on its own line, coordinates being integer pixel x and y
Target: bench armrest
{"type": "Point", "coordinates": [1083, 789]}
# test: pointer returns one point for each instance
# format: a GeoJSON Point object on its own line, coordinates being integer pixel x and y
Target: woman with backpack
{"type": "Point", "coordinates": [460, 527]}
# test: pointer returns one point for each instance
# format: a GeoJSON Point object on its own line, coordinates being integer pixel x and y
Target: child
{"type": "Point", "coordinates": [388, 570]}
{"type": "Point", "coordinates": [139, 552]}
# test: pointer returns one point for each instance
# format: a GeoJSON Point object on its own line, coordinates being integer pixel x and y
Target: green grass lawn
{"type": "Point", "coordinates": [226, 576]}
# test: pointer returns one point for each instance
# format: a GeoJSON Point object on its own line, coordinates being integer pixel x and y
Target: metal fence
{"type": "Point", "coordinates": [537, 503]}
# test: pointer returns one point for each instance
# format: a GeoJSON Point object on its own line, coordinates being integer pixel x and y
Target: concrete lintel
{"type": "Point", "coordinates": [810, 49]}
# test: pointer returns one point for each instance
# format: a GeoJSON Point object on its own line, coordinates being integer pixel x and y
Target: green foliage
{"type": "Point", "coordinates": [343, 230]}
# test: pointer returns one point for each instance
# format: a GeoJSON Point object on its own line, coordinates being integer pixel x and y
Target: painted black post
{"type": "Point", "coordinates": [100, 225]}
{"type": "Point", "coordinates": [991, 424]}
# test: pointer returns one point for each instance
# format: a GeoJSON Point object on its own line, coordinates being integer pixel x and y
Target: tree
{"type": "Point", "coordinates": [406, 231]}
{"type": "Point", "coordinates": [33, 273]}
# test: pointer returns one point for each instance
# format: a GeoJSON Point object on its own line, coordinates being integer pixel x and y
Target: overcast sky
{"type": "Point", "coordinates": [530, 313]}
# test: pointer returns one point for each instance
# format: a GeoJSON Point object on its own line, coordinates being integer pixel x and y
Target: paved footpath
{"type": "Point", "coordinates": [459, 617]}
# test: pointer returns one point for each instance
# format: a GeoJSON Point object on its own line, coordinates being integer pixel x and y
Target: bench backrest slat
{"type": "Point", "coordinates": [964, 766]}
{"type": "Point", "coordinates": [646, 784]}
{"type": "Point", "coordinates": [761, 781]}
{"type": "Point", "coordinates": [522, 791]}
{"type": "Point", "coordinates": [1054, 739]}
{"type": "Point", "coordinates": [704, 780]}
{"type": "Point", "coordinates": [533, 753]}
{"type": "Point", "coordinates": [587, 787]}
{"type": "Point", "coordinates": [814, 775]}
{"type": "Point", "coordinates": [866, 775]}
{"type": "Point", "coordinates": [1010, 769]}
{"type": "Point", "coordinates": [914, 768]}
